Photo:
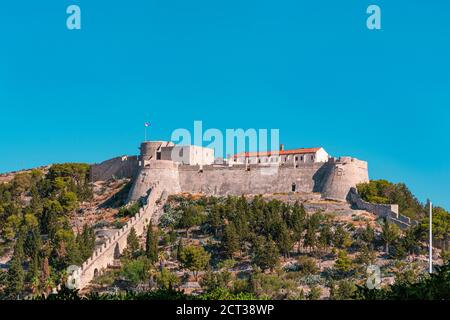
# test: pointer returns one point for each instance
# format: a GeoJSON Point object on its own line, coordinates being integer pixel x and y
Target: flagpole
{"type": "Point", "coordinates": [430, 259]}
{"type": "Point", "coordinates": [145, 133]}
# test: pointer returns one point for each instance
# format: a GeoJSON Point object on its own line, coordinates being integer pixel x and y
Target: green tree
{"type": "Point", "coordinates": [230, 240]}
{"type": "Point", "coordinates": [215, 280]}
{"type": "Point", "coordinates": [284, 240]}
{"type": "Point", "coordinates": [166, 279]}
{"type": "Point", "coordinates": [33, 243]}
{"type": "Point", "coordinates": [366, 255]}
{"type": "Point", "coordinates": [195, 259]}
{"type": "Point", "coordinates": [307, 266]}
{"type": "Point", "coordinates": [343, 262]}
{"type": "Point", "coordinates": [266, 254]}
{"type": "Point", "coordinates": [192, 216]}
{"type": "Point", "coordinates": [137, 270]}
{"type": "Point", "coordinates": [133, 243]}
{"type": "Point", "coordinates": [151, 244]}
{"type": "Point", "coordinates": [86, 242]}
{"type": "Point", "coordinates": [368, 235]}
{"type": "Point", "coordinates": [341, 237]}
{"type": "Point", "coordinates": [16, 274]}
{"type": "Point", "coordinates": [390, 233]}
{"type": "Point", "coordinates": [325, 239]}
{"type": "Point", "coordinates": [342, 290]}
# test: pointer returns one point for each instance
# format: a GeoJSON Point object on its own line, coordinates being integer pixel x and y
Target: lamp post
{"type": "Point", "coordinates": [430, 244]}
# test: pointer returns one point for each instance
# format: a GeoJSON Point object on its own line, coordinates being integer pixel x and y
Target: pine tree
{"type": "Point", "coordinates": [297, 220]}
{"type": "Point", "coordinates": [16, 274]}
{"type": "Point", "coordinates": [368, 235]}
{"type": "Point", "coordinates": [195, 259]}
{"type": "Point", "coordinates": [230, 239]}
{"type": "Point", "coordinates": [132, 242]}
{"type": "Point", "coordinates": [151, 244]}
{"type": "Point", "coordinates": [266, 254]}
{"type": "Point", "coordinates": [343, 262]}
{"type": "Point", "coordinates": [86, 242]}
{"type": "Point", "coordinates": [310, 240]}
{"type": "Point", "coordinates": [325, 238]}
{"type": "Point", "coordinates": [285, 242]}
{"type": "Point", "coordinates": [33, 243]}
{"type": "Point", "coordinates": [341, 238]}
{"type": "Point", "coordinates": [389, 234]}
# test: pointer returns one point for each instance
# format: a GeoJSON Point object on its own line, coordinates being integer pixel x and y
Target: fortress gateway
{"type": "Point", "coordinates": [193, 169]}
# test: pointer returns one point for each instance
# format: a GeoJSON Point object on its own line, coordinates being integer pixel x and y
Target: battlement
{"type": "Point", "coordinates": [313, 171]}
{"type": "Point", "coordinates": [349, 160]}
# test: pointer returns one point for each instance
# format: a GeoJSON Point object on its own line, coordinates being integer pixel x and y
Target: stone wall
{"type": "Point", "coordinates": [251, 179]}
{"type": "Point", "coordinates": [155, 171]}
{"type": "Point", "coordinates": [120, 167]}
{"type": "Point", "coordinates": [105, 255]}
{"type": "Point", "coordinates": [386, 211]}
{"type": "Point", "coordinates": [333, 179]}
{"type": "Point", "coordinates": [343, 174]}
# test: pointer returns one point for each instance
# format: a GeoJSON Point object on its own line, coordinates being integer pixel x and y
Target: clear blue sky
{"type": "Point", "coordinates": [310, 68]}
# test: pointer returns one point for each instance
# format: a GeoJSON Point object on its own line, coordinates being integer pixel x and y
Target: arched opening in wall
{"type": "Point", "coordinates": [117, 251]}
{"type": "Point", "coordinates": [294, 187]}
{"type": "Point", "coordinates": [96, 273]}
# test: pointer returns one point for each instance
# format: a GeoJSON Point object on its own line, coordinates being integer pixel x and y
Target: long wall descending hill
{"type": "Point", "coordinates": [111, 250]}
{"type": "Point", "coordinates": [386, 211]}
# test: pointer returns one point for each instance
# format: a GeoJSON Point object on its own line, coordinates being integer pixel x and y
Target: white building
{"type": "Point", "coordinates": [293, 157]}
{"type": "Point", "coordinates": [188, 154]}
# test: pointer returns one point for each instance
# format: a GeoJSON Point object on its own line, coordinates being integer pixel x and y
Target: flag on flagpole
{"type": "Point", "coordinates": [147, 124]}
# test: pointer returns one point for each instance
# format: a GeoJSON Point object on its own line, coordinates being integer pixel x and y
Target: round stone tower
{"type": "Point", "coordinates": [343, 174]}
{"type": "Point", "coordinates": [149, 149]}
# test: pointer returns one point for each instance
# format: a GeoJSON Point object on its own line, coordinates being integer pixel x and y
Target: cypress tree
{"type": "Point", "coordinates": [230, 239]}
{"type": "Point", "coordinates": [16, 274]}
{"type": "Point", "coordinates": [132, 242]}
{"type": "Point", "coordinates": [151, 244]}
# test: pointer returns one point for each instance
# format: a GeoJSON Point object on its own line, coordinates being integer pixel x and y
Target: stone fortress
{"type": "Point", "coordinates": [193, 169]}
{"type": "Point", "coordinates": [163, 168]}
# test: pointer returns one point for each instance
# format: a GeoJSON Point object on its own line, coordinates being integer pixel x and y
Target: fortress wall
{"type": "Point", "coordinates": [381, 210]}
{"type": "Point", "coordinates": [344, 173]}
{"type": "Point", "coordinates": [155, 171]}
{"type": "Point", "coordinates": [120, 167]}
{"type": "Point", "coordinates": [387, 211]}
{"type": "Point", "coordinates": [237, 180]}
{"type": "Point", "coordinates": [104, 256]}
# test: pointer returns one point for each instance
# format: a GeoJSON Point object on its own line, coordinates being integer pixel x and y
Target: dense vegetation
{"type": "Point", "coordinates": [382, 191]}
{"type": "Point", "coordinates": [225, 248]}
{"type": "Point", "coordinates": [429, 287]}
{"type": "Point", "coordinates": [35, 213]}
{"type": "Point", "coordinates": [235, 247]}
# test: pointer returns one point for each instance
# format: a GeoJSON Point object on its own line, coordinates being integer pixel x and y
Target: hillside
{"type": "Point", "coordinates": [279, 246]}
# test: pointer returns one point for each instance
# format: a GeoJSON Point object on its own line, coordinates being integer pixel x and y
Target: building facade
{"type": "Point", "coordinates": [292, 157]}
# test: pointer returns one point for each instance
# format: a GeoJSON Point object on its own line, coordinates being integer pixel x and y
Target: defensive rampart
{"type": "Point", "coordinates": [111, 250]}
{"type": "Point", "coordinates": [386, 211]}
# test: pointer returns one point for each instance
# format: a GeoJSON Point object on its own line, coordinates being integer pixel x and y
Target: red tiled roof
{"type": "Point", "coordinates": [281, 152]}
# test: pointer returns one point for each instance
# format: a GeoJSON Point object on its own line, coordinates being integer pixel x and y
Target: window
{"type": "Point", "coordinates": [312, 157]}
{"type": "Point", "coordinates": [301, 158]}
{"type": "Point", "coordinates": [296, 158]}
